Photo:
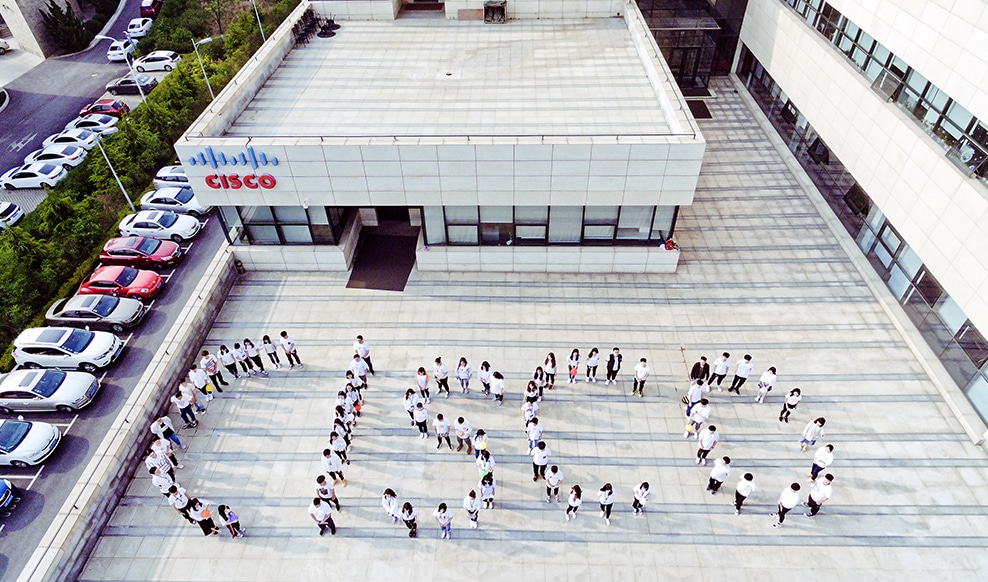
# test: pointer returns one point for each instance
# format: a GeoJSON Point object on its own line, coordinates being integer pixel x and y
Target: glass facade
{"type": "Point", "coordinates": [283, 225]}
{"type": "Point", "coordinates": [963, 136]}
{"type": "Point", "coordinates": [957, 342]}
{"type": "Point", "coordinates": [548, 225]}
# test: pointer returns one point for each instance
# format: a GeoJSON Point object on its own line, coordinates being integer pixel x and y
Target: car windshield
{"type": "Point", "coordinates": [167, 219]}
{"type": "Point", "coordinates": [47, 169]}
{"type": "Point", "coordinates": [78, 341]}
{"type": "Point", "coordinates": [68, 150]}
{"type": "Point", "coordinates": [49, 383]}
{"type": "Point", "coordinates": [12, 432]}
{"type": "Point", "coordinates": [105, 305]}
{"type": "Point", "coordinates": [126, 276]}
{"type": "Point", "coordinates": [7, 210]}
{"type": "Point", "coordinates": [149, 245]}
{"type": "Point", "coordinates": [85, 134]}
{"type": "Point", "coordinates": [184, 195]}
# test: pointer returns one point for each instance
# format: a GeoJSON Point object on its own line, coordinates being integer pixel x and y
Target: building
{"type": "Point", "coordinates": [554, 140]}
{"type": "Point", "coordinates": [26, 24]}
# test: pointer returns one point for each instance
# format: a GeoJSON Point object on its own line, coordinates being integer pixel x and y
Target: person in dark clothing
{"type": "Point", "coordinates": [701, 370]}
{"type": "Point", "coordinates": [613, 365]}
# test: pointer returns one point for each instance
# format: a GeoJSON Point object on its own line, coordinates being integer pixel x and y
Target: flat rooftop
{"type": "Point", "coordinates": [431, 77]}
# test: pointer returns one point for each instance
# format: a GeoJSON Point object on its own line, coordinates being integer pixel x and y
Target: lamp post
{"type": "Point", "coordinates": [114, 172]}
{"type": "Point", "coordinates": [130, 65]}
{"type": "Point", "coordinates": [195, 46]}
{"type": "Point", "coordinates": [259, 25]}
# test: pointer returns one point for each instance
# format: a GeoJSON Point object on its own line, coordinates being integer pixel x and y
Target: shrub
{"type": "Point", "coordinates": [93, 26]}
{"type": "Point", "coordinates": [64, 28]}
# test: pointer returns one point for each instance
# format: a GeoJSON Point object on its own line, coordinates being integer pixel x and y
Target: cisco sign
{"type": "Point", "coordinates": [235, 181]}
{"type": "Point", "coordinates": [248, 157]}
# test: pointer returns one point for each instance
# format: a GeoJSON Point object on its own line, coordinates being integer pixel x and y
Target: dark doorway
{"type": "Point", "coordinates": [383, 261]}
{"type": "Point", "coordinates": [392, 214]}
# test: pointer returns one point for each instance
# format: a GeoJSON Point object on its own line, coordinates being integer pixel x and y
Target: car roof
{"type": "Point", "coordinates": [152, 215]}
{"type": "Point", "coordinates": [171, 54]}
{"type": "Point", "coordinates": [81, 302]}
{"type": "Point", "coordinates": [36, 167]}
{"type": "Point", "coordinates": [122, 242]}
{"type": "Point", "coordinates": [170, 170]}
{"type": "Point", "coordinates": [170, 191]}
{"type": "Point", "coordinates": [45, 335]}
{"type": "Point", "coordinates": [107, 272]}
{"type": "Point", "coordinates": [106, 102]}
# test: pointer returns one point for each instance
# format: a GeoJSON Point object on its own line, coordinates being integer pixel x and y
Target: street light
{"type": "Point", "coordinates": [99, 138]}
{"type": "Point", "coordinates": [130, 65]}
{"type": "Point", "coordinates": [259, 25]}
{"type": "Point", "coordinates": [195, 46]}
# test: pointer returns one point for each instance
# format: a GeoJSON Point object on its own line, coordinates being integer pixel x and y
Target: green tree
{"type": "Point", "coordinates": [64, 28]}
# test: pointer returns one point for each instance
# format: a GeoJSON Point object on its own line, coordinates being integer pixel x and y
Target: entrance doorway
{"type": "Point", "coordinates": [386, 252]}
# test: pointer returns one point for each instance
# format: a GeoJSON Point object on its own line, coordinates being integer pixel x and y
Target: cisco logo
{"type": "Point", "coordinates": [248, 157]}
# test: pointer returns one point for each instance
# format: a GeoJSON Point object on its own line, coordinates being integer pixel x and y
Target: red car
{"type": "Point", "coordinates": [151, 8]}
{"type": "Point", "coordinates": [139, 251]}
{"type": "Point", "coordinates": [106, 107]}
{"type": "Point", "coordinates": [122, 282]}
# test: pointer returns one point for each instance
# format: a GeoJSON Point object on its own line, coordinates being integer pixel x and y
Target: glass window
{"type": "Point", "coordinates": [290, 215]}
{"type": "Point", "coordinates": [635, 222]}
{"type": "Point", "coordinates": [600, 215]}
{"type": "Point", "coordinates": [898, 282]}
{"type": "Point", "coordinates": [565, 224]}
{"type": "Point", "coordinates": [973, 344]}
{"type": "Point", "coordinates": [495, 214]}
{"type": "Point", "coordinates": [296, 234]}
{"type": "Point", "coordinates": [915, 306]}
{"type": "Point", "coordinates": [263, 234]}
{"type": "Point", "coordinates": [598, 232]}
{"type": "Point", "coordinates": [891, 239]}
{"type": "Point", "coordinates": [255, 214]}
{"type": "Point", "coordinates": [461, 215]}
{"type": "Point", "coordinates": [977, 393]}
{"type": "Point", "coordinates": [866, 239]}
{"type": "Point", "coordinates": [928, 287]}
{"type": "Point", "coordinates": [230, 216]}
{"type": "Point", "coordinates": [531, 214]}
{"type": "Point", "coordinates": [958, 365]}
{"type": "Point", "coordinates": [530, 234]}
{"type": "Point", "coordinates": [435, 227]}
{"type": "Point", "coordinates": [495, 234]}
{"type": "Point", "coordinates": [462, 235]}
{"type": "Point", "coordinates": [950, 314]}
{"type": "Point", "coordinates": [662, 223]}
{"type": "Point", "coordinates": [875, 219]}
{"type": "Point", "coordinates": [883, 257]}
{"type": "Point", "coordinates": [959, 116]}
{"type": "Point", "coordinates": [909, 261]}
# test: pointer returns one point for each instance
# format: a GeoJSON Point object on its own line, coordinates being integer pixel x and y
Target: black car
{"type": "Point", "coordinates": [128, 85]}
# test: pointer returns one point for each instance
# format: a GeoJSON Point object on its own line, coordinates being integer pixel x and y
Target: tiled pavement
{"type": "Point", "coordinates": [761, 274]}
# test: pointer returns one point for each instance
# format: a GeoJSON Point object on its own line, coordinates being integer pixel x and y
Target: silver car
{"type": "Point", "coordinates": [181, 200]}
{"type": "Point", "coordinates": [97, 312]}
{"type": "Point", "coordinates": [64, 347]}
{"type": "Point", "coordinates": [23, 443]}
{"type": "Point", "coordinates": [33, 390]}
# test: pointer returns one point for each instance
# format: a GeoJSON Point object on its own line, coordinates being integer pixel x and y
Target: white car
{"type": "Point", "coordinates": [181, 200]}
{"type": "Point", "coordinates": [160, 225]}
{"type": "Point", "coordinates": [33, 176]}
{"type": "Point", "coordinates": [4, 46]}
{"type": "Point", "coordinates": [10, 214]}
{"type": "Point", "coordinates": [139, 27]}
{"type": "Point", "coordinates": [77, 137]}
{"type": "Point", "coordinates": [170, 176]}
{"type": "Point", "coordinates": [158, 61]}
{"type": "Point", "coordinates": [23, 443]}
{"type": "Point", "coordinates": [101, 124]}
{"type": "Point", "coordinates": [68, 156]}
{"type": "Point", "coordinates": [32, 390]}
{"type": "Point", "coordinates": [66, 347]}
{"type": "Point", "coordinates": [120, 49]}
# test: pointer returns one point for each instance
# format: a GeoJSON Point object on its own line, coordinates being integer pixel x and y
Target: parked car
{"type": "Point", "coordinates": [34, 390]}
{"type": "Point", "coordinates": [128, 85]}
{"type": "Point", "coordinates": [4, 46]}
{"type": "Point", "coordinates": [120, 49]}
{"type": "Point", "coordinates": [32, 176]}
{"type": "Point", "coordinates": [122, 281]}
{"type": "Point", "coordinates": [77, 137]}
{"type": "Point", "coordinates": [160, 225]}
{"type": "Point", "coordinates": [141, 252]}
{"type": "Point", "coordinates": [8, 495]}
{"type": "Point", "coordinates": [138, 27]}
{"type": "Point", "coordinates": [10, 214]}
{"type": "Point", "coordinates": [151, 8]}
{"type": "Point", "coordinates": [23, 443]}
{"type": "Point", "coordinates": [170, 176]}
{"type": "Point", "coordinates": [112, 107]}
{"type": "Point", "coordinates": [65, 347]}
{"type": "Point", "coordinates": [101, 124]}
{"type": "Point", "coordinates": [97, 312]}
{"type": "Point", "coordinates": [180, 200]}
{"type": "Point", "coordinates": [68, 156]}
{"type": "Point", "coordinates": [158, 61]}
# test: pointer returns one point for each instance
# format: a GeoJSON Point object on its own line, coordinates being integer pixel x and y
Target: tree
{"type": "Point", "coordinates": [64, 28]}
{"type": "Point", "coordinates": [218, 10]}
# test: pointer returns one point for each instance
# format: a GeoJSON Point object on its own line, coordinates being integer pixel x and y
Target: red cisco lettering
{"type": "Point", "coordinates": [235, 182]}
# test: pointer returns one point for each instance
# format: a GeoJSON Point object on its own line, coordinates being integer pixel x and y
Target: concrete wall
{"type": "Point", "coordinates": [358, 9]}
{"type": "Point", "coordinates": [26, 24]}
{"type": "Point", "coordinates": [941, 213]}
{"type": "Point", "coordinates": [66, 546]}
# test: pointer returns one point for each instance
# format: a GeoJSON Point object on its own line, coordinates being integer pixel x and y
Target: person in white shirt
{"type": "Point", "coordinates": [228, 361]}
{"type": "Point", "coordinates": [359, 368]}
{"type": "Point", "coordinates": [162, 481]}
{"type": "Point", "coordinates": [288, 345]}
{"type": "Point", "coordinates": [163, 447]}
{"type": "Point", "coordinates": [788, 500]}
{"type": "Point", "coordinates": [820, 491]}
{"type": "Point", "coordinates": [463, 432]}
{"type": "Point", "coordinates": [162, 428]}
{"type": "Point", "coordinates": [326, 492]}
{"type": "Point", "coordinates": [333, 466]}
{"type": "Point", "coordinates": [707, 441]}
{"type": "Point", "coordinates": [746, 486]}
{"type": "Point", "coordinates": [699, 415]}
{"type": "Point", "coordinates": [488, 485]}
{"type": "Point", "coordinates": [411, 399]}
{"type": "Point", "coordinates": [254, 354]}
{"type": "Point", "coordinates": [549, 367]}
{"type": "Point", "coordinates": [573, 363]}
{"type": "Point", "coordinates": [212, 368]}
{"type": "Point", "coordinates": [322, 514]}
{"type": "Point", "coordinates": [552, 480]}
{"type": "Point", "coordinates": [765, 384]}
{"type": "Point", "coordinates": [719, 474]}
{"type": "Point", "coordinates": [721, 366]}
{"type": "Point", "coordinates": [389, 501]}
{"type": "Point", "coordinates": [484, 374]}
{"type": "Point", "coordinates": [408, 515]}
{"type": "Point", "coordinates": [741, 374]}
{"type": "Point", "coordinates": [240, 356]}
{"type": "Point", "coordinates": [422, 381]}
{"type": "Point", "coordinates": [271, 350]}
{"type": "Point", "coordinates": [184, 405]}
{"type": "Point", "coordinates": [421, 417]}
{"type": "Point", "coordinates": [534, 431]}
{"type": "Point", "coordinates": [789, 404]}
{"type": "Point", "coordinates": [463, 374]}
{"type": "Point", "coordinates": [821, 460]}
{"type": "Point", "coordinates": [641, 493]}
{"type": "Point", "coordinates": [540, 459]}
{"type": "Point", "coordinates": [179, 499]}
{"type": "Point", "coordinates": [497, 386]}
{"type": "Point", "coordinates": [441, 427]}
{"type": "Point", "coordinates": [485, 464]}
{"type": "Point", "coordinates": [812, 431]}
{"type": "Point", "coordinates": [161, 462]}
{"type": "Point", "coordinates": [593, 360]}
{"type": "Point", "coordinates": [642, 372]}
{"type": "Point", "coordinates": [362, 349]}
{"type": "Point", "coordinates": [189, 391]}
{"type": "Point", "coordinates": [538, 380]}
{"type": "Point", "coordinates": [479, 442]}
{"type": "Point", "coordinates": [441, 374]}
{"type": "Point", "coordinates": [694, 395]}
{"type": "Point", "coordinates": [574, 502]}
{"type": "Point", "coordinates": [606, 498]}
{"type": "Point", "coordinates": [472, 506]}
{"type": "Point", "coordinates": [200, 379]}
{"type": "Point", "coordinates": [445, 519]}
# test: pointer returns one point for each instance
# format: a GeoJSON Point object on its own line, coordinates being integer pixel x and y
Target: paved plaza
{"type": "Point", "coordinates": [762, 273]}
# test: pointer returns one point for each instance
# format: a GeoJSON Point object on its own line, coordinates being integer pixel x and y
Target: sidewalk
{"type": "Point", "coordinates": [16, 62]}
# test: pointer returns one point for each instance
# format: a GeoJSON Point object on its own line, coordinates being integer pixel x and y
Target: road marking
{"type": "Point", "coordinates": [150, 305]}
{"type": "Point", "coordinates": [128, 338]}
{"type": "Point", "coordinates": [204, 224]}
{"type": "Point", "coordinates": [2, 525]}
{"type": "Point", "coordinates": [19, 145]}
{"type": "Point", "coordinates": [103, 377]}
{"type": "Point", "coordinates": [36, 475]}
{"type": "Point", "coordinates": [67, 426]}
{"type": "Point", "coordinates": [31, 477]}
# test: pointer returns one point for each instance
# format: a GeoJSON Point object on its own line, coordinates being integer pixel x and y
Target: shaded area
{"type": "Point", "coordinates": [699, 109]}
{"type": "Point", "coordinates": [384, 261]}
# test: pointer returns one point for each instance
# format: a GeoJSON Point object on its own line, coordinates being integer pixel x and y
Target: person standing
{"type": "Point", "coordinates": [421, 418]}
{"type": "Point", "coordinates": [707, 441]}
{"type": "Point", "coordinates": [538, 379]}
{"type": "Point", "coordinates": [161, 481]}
{"type": "Point", "coordinates": [479, 442]}
{"type": "Point", "coordinates": [700, 370]}
{"type": "Point", "coordinates": [575, 501]}
{"type": "Point", "coordinates": [441, 427]}
{"type": "Point", "coordinates": [472, 506]}
{"type": "Point", "coordinates": [291, 352]}
{"type": "Point", "coordinates": [322, 514]}
{"type": "Point", "coordinates": [162, 463]}
{"type": "Point", "coordinates": [200, 379]}
{"type": "Point", "coordinates": [333, 467]}
{"type": "Point", "coordinates": [694, 396]}
{"type": "Point", "coordinates": [820, 491]}
{"type": "Point", "coordinates": [162, 428]}
{"type": "Point", "coordinates": [484, 374]}
{"type": "Point", "coordinates": [721, 367]}
{"type": "Point", "coordinates": [488, 487]}
{"type": "Point", "coordinates": [552, 480]}
{"type": "Point", "coordinates": [422, 381]}
{"type": "Point", "coordinates": [485, 464]}
{"type": "Point", "coordinates": [203, 518]}
{"type": "Point", "coordinates": [497, 386]}
{"type": "Point", "coordinates": [765, 384]}
{"type": "Point", "coordinates": [179, 499]}
{"type": "Point", "coordinates": [327, 492]}
{"type": "Point", "coordinates": [463, 374]}
{"type": "Point", "coordinates": [613, 366]}
{"type": "Point", "coordinates": [549, 367]}
{"type": "Point", "coordinates": [240, 356]}
{"type": "Point", "coordinates": [389, 501]}
{"type": "Point", "coordinates": [441, 374]}
{"type": "Point", "coordinates": [593, 360]}
{"type": "Point", "coordinates": [811, 432]}
{"type": "Point", "coordinates": [212, 367]}
{"type": "Point", "coordinates": [699, 415]}
{"type": "Point", "coordinates": [408, 515]}
{"type": "Point", "coordinates": [228, 361]}
{"type": "Point", "coordinates": [254, 355]}
{"type": "Point", "coordinates": [741, 374]}
{"type": "Point", "coordinates": [540, 459]}
{"type": "Point", "coordinates": [189, 391]}
{"type": "Point", "coordinates": [184, 405]}
{"type": "Point", "coordinates": [788, 500]}
{"type": "Point", "coordinates": [163, 448]}
{"type": "Point", "coordinates": [445, 519]}
{"type": "Point", "coordinates": [410, 401]}
{"type": "Point", "coordinates": [232, 521]}
{"type": "Point", "coordinates": [642, 371]}
{"type": "Point", "coordinates": [338, 445]}
{"type": "Point", "coordinates": [789, 404]}
{"type": "Point", "coordinates": [359, 368]}
{"type": "Point", "coordinates": [271, 350]}
{"type": "Point", "coordinates": [641, 494]}
{"type": "Point", "coordinates": [573, 363]}
{"type": "Point", "coordinates": [606, 498]}
{"type": "Point", "coordinates": [822, 459]}
{"type": "Point", "coordinates": [746, 486]}
{"type": "Point", "coordinates": [719, 474]}
{"type": "Point", "coordinates": [534, 431]}
{"type": "Point", "coordinates": [464, 430]}
{"type": "Point", "coordinates": [362, 349]}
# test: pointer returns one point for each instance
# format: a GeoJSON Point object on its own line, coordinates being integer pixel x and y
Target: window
{"type": "Point", "coordinates": [565, 224]}
{"type": "Point", "coordinates": [283, 225]}
{"type": "Point", "coordinates": [635, 223]}
{"type": "Point", "coordinates": [435, 225]}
